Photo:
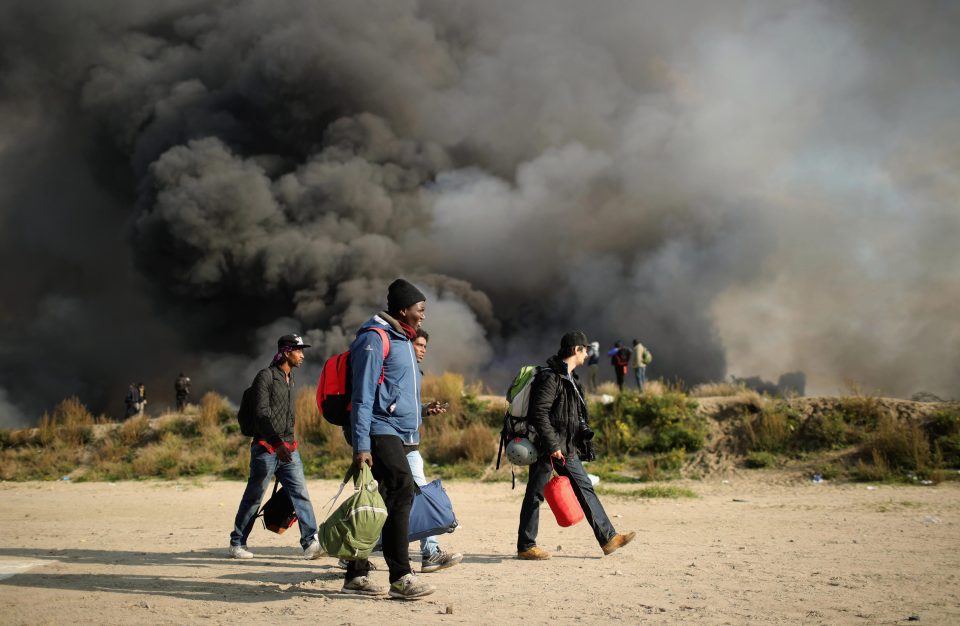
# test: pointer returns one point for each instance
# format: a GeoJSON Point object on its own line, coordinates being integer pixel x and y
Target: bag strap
{"type": "Point", "coordinates": [276, 484]}
{"type": "Point", "coordinates": [333, 500]}
{"type": "Point", "coordinates": [385, 340]}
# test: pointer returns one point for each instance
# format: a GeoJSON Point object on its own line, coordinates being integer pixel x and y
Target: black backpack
{"type": "Point", "coordinates": [247, 415]}
{"type": "Point", "coordinates": [277, 514]}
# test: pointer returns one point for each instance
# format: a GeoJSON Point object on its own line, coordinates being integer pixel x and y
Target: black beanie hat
{"type": "Point", "coordinates": [401, 295]}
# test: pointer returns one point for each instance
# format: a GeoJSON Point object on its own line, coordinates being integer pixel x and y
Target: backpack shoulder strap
{"type": "Point", "coordinates": [385, 340]}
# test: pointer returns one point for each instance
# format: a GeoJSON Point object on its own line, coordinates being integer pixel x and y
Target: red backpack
{"type": "Point", "coordinates": [333, 388]}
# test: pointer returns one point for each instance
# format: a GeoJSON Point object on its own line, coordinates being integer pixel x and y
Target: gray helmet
{"type": "Point", "coordinates": [521, 452]}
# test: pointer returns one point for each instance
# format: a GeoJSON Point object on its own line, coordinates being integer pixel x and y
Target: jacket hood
{"type": "Point", "coordinates": [384, 321]}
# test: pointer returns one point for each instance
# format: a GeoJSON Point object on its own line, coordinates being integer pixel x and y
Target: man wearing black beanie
{"type": "Point", "coordinates": [386, 415]}
{"type": "Point", "coordinates": [402, 295]}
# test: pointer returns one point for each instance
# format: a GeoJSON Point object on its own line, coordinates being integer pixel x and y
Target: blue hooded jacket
{"type": "Point", "coordinates": [393, 406]}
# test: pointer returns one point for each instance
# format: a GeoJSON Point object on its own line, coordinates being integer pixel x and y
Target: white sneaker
{"type": "Point", "coordinates": [313, 551]}
{"type": "Point", "coordinates": [240, 552]}
{"type": "Point", "coordinates": [362, 586]}
{"type": "Point", "coordinates": [440, 560]}
{"type": "Point", "coordinates": [409, 587]}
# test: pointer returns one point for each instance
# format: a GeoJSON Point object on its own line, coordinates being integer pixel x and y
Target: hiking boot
{"type": "Point", "coordinates": [240, 552]}
{"type": "Point", "coordinates": [440, 560]}
{"type": "Point", "coordinates": [533, 554]}
{"type": "Point", "coordinates": [313, 551]}
{"type": "Point", "coordinates": [619, 540]}
{"type": "Point", "coordinates": [409, 587]}
{"type": "Point", "coordinates": [362, 586]}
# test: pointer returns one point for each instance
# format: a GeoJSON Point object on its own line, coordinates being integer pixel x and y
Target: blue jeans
{"type": "Point", "coordinates": [428, 546]}
{"type": "Point", "coordinates": [263, 466]}
{"type": "Point", "coordinates": [540, 473]}
{"type": "Point", "coordinates": [641, 374]}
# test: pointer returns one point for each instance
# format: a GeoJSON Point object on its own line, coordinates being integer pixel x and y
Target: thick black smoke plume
{"type": "Point", "coordinates": [747, 187]}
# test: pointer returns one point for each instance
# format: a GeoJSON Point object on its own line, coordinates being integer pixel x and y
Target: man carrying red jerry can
{"type": "Point", "coordinates": [558, 415]}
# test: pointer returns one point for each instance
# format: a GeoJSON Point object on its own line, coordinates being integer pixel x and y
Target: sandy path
{"type": "Point", "coordinates": [744, 552]}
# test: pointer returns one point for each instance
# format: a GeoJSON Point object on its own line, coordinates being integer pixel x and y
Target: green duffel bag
{"type": "Point", "coordinates": [353, 530]}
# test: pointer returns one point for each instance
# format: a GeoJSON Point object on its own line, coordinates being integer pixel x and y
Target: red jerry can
{"type": "Point", "coordinates": [563, 502]}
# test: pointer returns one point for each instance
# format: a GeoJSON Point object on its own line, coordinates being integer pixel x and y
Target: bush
{"type": "Point", "coordinates": [760, 459]}
{"type": "Point", "coordinates": [864, 411]}
{"type": "Point", "coordinates": [829, 430]}
{"type": "Point", "coordinates": [132, 432]}
{"type": "Point", "coordinates": [943, 423]}
{"type": "Point", "coordinates": [770, 430]}
{"type": "Point", "coordinates": [657, 423]}
{"type": "Point", "coordinates": [898, 446]}
{"type": "Point", "coordinates": [214, 410]}
{"type": "Point", "coordinates": [70, 423]}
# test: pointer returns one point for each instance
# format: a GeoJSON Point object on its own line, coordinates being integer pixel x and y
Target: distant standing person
{"type": "Point", "coordinates": [182, 387]}
{"type": "Point", "coordinates": [142, 392]}
{"type": "Point", "coordinates": [638, 361]}
{"type": "Point", "coordinates": [558, 414]}
{"type": "Point", "coordinates": [274, 452]}
{"type": "Point", "coordinates": [620, 359]}
{"type": "Point", "coordinates": [593, 365]}
{"type": "Point", "coordinates": [132, 401]}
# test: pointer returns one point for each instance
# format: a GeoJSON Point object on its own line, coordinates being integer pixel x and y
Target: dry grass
{"type": "Point", "coordinates": [447, 387]}
{"type": "Point", "coordinates": [768, 431]}
{"type": "Point", "coordinates": [899, 446]}
{"type": "Point", "coordinates": [214, 409]}
{"type": "Point", "coordinates": [70, 423]}
{"type": "Point", "coordinates": [311, 427]}
{"type": "Point", "coordinates": [713, 390]}
{"type": "Point", "coordinates": [475, 444]}
{"type": "Point", "coordinates": [607, 388]}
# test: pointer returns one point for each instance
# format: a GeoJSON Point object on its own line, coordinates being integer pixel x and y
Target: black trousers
{"type": "Point", "coordinates": [620, 373]}
{"type": "Point", "coordinates": [392, 471]}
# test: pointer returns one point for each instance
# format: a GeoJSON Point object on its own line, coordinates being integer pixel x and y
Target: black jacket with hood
{"type": "Point", "coordinates": [556, 408]}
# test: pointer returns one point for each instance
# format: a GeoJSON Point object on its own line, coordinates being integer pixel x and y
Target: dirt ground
{"type": "Point", "coordinates": [756, 548]}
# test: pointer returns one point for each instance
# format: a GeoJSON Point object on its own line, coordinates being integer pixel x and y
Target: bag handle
{"type": "Point", "coordinates": [362, 478]}
{"type": "Point", "coordinates": [276, 484]}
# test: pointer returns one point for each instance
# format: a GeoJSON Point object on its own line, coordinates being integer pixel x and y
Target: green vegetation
{"type": "Point", "coordinates": [876, 444]}
{"type": "Point", "coordinates": [654, 491]}
{"type": "Point", "coordinates": [648, 437]}
{"type": "Point", "coordinates": [649, 422]}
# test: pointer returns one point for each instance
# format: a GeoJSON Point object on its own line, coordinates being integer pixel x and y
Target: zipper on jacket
{"type": "Point", "coordinates": [416, 388]}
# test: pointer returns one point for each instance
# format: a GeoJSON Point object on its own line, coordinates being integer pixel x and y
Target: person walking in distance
{"type": "Point", "coordinates": [181, 387]}
{"type": "Point", "coordinates": [386, 414]}
{"type": "Point", "coordinates": [558, 415]}
{"type": "Point", "coordinates": [273, 451]}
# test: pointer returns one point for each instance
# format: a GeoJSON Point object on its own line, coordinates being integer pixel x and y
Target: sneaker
{"type": "Point", "coordinates": [362, 586]}
{"type": "Point", "coordinates": [440, 560]}
{"type": "Point", "coordinates": [533, 554]}
{"type": "Point", "coordinates": [240, 552]}
{"type": "Point", "coordinates": [619, 540]}
{"type": "Point", "coordinates": [344, 564]}
{"type": "Point", "coordinates": [409, 587]}
{"type": "Point", "coordinates": [313, 551]}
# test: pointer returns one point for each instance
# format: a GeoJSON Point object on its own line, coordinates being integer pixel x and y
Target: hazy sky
{"type": "Point", "coordinates": [749, 188]}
